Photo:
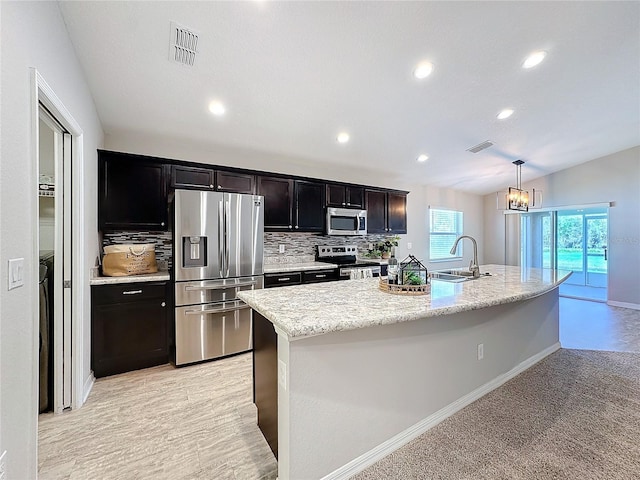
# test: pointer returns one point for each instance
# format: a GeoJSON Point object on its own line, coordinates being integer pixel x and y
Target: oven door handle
{"type": "Point", "coordinates": [219, 287]}
{"type": "Point", "coordinates": [207, 311]}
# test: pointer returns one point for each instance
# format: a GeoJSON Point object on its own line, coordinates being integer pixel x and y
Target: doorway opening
{"type": "Point", "coordinates": [573, 239]}
{"type": "Point", "coordinates": [582, 246]}
{"type": "Point", "coordinates": [63, 229]}
{"type": "Point", "coordinates": [54, 247]}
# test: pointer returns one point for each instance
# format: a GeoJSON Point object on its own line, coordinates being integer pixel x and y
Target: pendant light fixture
{"type": "Point", "coordinates": [517, 198]}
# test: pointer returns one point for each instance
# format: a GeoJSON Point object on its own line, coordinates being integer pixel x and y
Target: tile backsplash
{"type": "Point", "coordinates": [299, 247]}
{"type": "Point", "coordinates": [304, 244]}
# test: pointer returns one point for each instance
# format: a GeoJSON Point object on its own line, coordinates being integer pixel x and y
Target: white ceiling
{"type": "Point", "coordinates": [294, 74]}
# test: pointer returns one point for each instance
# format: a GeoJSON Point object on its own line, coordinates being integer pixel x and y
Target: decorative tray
{"type": "Point", "coordinates": [385, 286]}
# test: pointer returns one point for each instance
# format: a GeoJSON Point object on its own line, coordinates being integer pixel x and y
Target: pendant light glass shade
{"type": "Point", "coordinates": [517, 198]}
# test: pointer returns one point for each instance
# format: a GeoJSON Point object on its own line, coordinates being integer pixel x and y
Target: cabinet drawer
{"type": "Point", "coordinates": [128, 292]}
{"type": "Point", "coordinates": [282, 279]}
{"type": "Point", "coordinates": [320, 276]}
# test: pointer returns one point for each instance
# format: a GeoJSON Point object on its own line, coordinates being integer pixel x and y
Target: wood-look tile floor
{"type": "Point", "coordinates": [195, 422]}
{"type": "Point", "coordinates": [588, 325]}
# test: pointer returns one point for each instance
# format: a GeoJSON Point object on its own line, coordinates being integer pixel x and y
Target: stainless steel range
{"type": "Point", "coordinates": [346, 257]}
{"type": "Point", "coordinates": [217, 251]}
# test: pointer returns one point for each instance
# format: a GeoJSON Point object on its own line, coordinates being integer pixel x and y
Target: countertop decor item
{"type": "Point", "coordinates": [412, 272]}
{"type": "Point", "coordinates": [383, 248]}
{"type": "Point", "coordinates": [385, 286]}
{"type": "Point", "coordinates": [129, 259]}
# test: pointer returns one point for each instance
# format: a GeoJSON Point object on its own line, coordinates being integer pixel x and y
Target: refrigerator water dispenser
{"type": "Point", "coordinates": [194, 251]}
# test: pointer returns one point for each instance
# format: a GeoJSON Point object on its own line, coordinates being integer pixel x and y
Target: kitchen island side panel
{"type": "Point", "coordinates": [265, 378]}
{"type": "Point", "coordinates": [348, 392]}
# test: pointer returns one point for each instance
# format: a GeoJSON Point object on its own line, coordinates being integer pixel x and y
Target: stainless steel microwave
{"type": "Point", "coordinates": [346, 221]}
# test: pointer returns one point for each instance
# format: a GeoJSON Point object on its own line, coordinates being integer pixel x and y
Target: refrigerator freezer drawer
{"type": "Point", "coordinates": [210, 331]}
{"type": "Point", "coordinates": [210, 291]}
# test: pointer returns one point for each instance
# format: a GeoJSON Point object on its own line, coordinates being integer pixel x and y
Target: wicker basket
{"type": "Point", "coordinates": [387, 287]}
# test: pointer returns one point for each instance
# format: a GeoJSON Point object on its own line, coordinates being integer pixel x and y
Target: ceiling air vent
{"type": "Point", "coordinates": [480, 146]}
{"type": "Point", "coordinates": [184, 45]}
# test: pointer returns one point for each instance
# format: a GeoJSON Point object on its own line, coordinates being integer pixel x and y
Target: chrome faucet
{"type": "Point", "coordinates": [473, 265]}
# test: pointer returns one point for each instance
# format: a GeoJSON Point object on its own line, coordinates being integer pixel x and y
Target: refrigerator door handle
{"type": "Point", "coordinates": [221, 239]}
{"type": "Point", "coordinates": [221, 287]}
{"type": "Point", "coordinates": [227, 235]}
{"type": "Point", "coordinates": [205, 311]}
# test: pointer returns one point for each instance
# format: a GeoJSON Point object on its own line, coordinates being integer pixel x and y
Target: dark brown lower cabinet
{"type": "Point", "coordinates": [265, 378]}
{"type": "Point", "coordinates": [129, 326]}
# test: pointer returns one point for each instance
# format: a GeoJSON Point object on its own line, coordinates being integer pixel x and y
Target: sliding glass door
{"type": "Point", "coordinates": [575, 240]}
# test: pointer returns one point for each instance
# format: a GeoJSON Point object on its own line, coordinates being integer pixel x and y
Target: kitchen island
{"type": "Point", "coordinates": [359, 372]}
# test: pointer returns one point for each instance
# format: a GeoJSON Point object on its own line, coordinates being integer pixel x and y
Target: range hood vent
{"type": "Point", "coordinates": [481, 146]}
{"type": "Point", "coordinates": [184, 45]}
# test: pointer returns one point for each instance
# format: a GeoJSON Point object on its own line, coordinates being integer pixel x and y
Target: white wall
{"type": "Point", "coordinates": [614, 178]}
{"type": "Point", "coordinates": [34, 35]}
{"type": "Point", "coordinates": [418, 223]}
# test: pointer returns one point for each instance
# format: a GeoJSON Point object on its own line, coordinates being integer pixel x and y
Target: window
{"type": "Point", "coordinates": [444, 227]}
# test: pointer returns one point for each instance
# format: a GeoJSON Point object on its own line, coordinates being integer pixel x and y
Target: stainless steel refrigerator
{"type": "Point", "coordinates": [218, 249]}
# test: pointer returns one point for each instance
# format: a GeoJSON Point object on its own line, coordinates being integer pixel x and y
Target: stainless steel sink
{"type": "Point", "coordinates": [445, 276]}
{"type": "Point", "coordinates": [454, 276]}
{"type": "Point", "coordinates": [458, 272]}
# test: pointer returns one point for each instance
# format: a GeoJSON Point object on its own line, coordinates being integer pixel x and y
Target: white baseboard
{"type": "Point", "coordinates": [88, 385]}
{"type": "Point", "coordinates": [372, 456]}
{"type": "Point", "coordinates": [633, 306]}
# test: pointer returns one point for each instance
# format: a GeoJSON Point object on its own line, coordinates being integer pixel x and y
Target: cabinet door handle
{"type": "Point", "coordinates": [162, 224]}
{"type": "Point", "coordinates": [297, 226]}
{"type": "Point", "coordinates": [343, 204]}
{"type": "Point", "coordinates": [284, 279]}
{"type": "Point", "coordinates": [321, 276]}
{"type": "Point", "coordinates": [290, 226]}
{"type": "Point", "coordinates": [163, 304]}
{"type": "Point", "coordinates": [211, 186]}
{"type": "Point", "coordinates": [132, 292]}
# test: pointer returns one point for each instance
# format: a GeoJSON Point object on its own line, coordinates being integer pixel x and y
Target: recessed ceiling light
{"type": "Point", "coordinates": [422, 158]}
{"type": "Point", "coordinates": [506, 113]}
{"type": "Point", "coordinates": [343, 137]}
{"type": "Point", "coordinates": [423, 70]}
{"type": "Point", "coordinates": [534, 59]}
{"type": "Point", "coordinates": [217, 108]}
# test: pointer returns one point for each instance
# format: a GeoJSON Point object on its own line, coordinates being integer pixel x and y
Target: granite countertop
{"type": "Point", "coordinates": [97, 279]}
{"type": "Point", "coordinates": [297, 267]}
{"type": "Point", "coordinates": [316, 309]}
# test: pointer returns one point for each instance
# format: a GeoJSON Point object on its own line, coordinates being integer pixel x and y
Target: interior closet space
{"type": "Point", "coordinates": [46, 244]}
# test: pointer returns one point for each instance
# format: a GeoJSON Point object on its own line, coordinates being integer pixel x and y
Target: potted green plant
{"type": "Point", "coordinates": [383, 248]}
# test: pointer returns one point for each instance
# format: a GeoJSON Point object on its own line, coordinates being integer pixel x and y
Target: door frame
{"type": "Point", "coordinates": [42, 93]}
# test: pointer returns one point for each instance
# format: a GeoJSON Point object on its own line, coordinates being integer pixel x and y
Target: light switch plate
{"type": "Point", "coordinates": [281, 248]}
{"type": "Point", "coordinates": [16, 273]}
{"type": "Point", "coordinates": [409, 245]}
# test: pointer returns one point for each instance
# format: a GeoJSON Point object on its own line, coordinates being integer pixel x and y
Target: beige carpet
{"type": "Point", "coordinates": [575, 415]}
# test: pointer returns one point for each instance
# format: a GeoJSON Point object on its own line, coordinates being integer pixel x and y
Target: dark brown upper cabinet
{"type": "Point", "coordinates": [309, 206]}
{"type": "Point", "coordinates": [192, 177]}
{"type": "Point", "coordinates": [278, 202]}
{"type": "Point", "coordinates": [235, 182]}
{"type": "Point", "coordinates": [199, 178]}
{"type": "Point", "coordinates": [292, 205]}
{"type": "Point", "coordinates": [132, 193]}
{"type": "Point", "coordinates": [345, 196]}
{"type": "Point", "coordinates": [386, 211]}
{"type": "Point", "coordinates": [397, 212]}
